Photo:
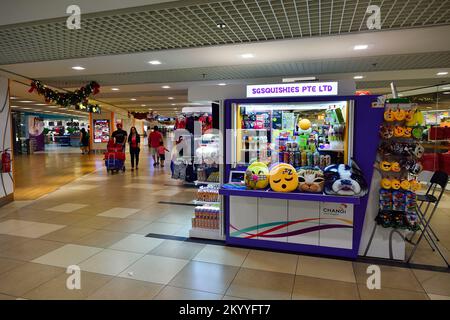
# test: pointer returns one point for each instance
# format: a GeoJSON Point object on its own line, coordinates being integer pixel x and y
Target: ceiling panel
{"type": "Point", "coordinates": [314, 68]}
{"type": "Point", "coordinates": [184, 24]}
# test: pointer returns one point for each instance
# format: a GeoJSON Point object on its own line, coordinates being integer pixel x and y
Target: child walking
{"type": "Point", "coordinates": [162, 153]}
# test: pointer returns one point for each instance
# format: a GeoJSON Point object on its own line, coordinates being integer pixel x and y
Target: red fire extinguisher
{"type": "Point", "coordinates": [6, 161]}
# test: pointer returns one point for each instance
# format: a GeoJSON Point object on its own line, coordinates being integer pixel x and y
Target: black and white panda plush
{"type": "Point", "coordinates": [343, 180]}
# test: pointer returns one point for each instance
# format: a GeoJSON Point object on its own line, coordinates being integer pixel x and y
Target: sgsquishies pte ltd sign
{"type": "Point", "coordinates": [292, 90]}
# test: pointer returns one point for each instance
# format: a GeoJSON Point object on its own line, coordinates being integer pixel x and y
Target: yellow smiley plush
{"type": "Point", "coordinates": [399, 114]}
{"type": "Point", "coordinates": [283, 178]}
{"type": "Point", "coordinates": [409, 115]}
{"type": "Point", "coordinates": [399, 131]}
{"type": "Point", "coordinates": [407, 132]}
{"type": "Point", "coordinates": [257, 176]}
{"type": "Point", "coordinates": [395, 184]}
{"type": "Point", "coordinates": [385, 166]}
{"type": "Point", "coordinates": [405, 184]}
{"type": "Point", "coordinates": [395, 166]}
{"type": "Point", "coordinates": [385, 183]}
{"type": "Point", "coordinates": [414, 185]}
{"type": "Point", "coordinates": [389, 115]}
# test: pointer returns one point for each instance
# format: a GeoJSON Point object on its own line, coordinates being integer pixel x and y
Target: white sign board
{"type": "Point", "coordinates": [305, 89]}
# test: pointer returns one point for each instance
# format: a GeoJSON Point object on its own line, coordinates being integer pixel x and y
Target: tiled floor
{"type": "Point", "coordinates": [99, 223]}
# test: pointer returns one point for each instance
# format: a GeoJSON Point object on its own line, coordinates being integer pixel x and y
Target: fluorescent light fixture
{"type": "Point", "coordinates": [247, 55]}
{"type": "Point", "coordinates": [299, 79]}
{"type": "Point", "coordinates": [47, 111]}
{"type": "Point", "coordinates": [78, 68]}
{"type": "Point", "coordinates": [26, 108]}
{"type": "Point", "coordinates": [442, 73]}
{"type": "Point", "coordinates": [154, 62]}
{"type": "Point", "coordinates": [173, 104]}
{"type": "Point", "coordinates": [133, 99]}
{"type": "Point", "coordinates": [445, 88]}
{"type": "Point", "coordinates": [358, 77]}
{"type": "Point", "coordinates": [14, 106]}
{"type": "Point", "coordinates": [143, 105]}
{"type": "Point", "coordinates": [40, 104]}
{"type": "Point", "coordinates": [360, 47]}
{"type": "Point", "coordinates": [165, 87]}
{"type": "Point", "coordinates": [26, 101]}
{"type": "Point", "coordinates": [222, 84]}
{"type": "Point", "coordinates": [171, 98]}
{"type": "Point", "coordinates": [115, 89]}
{"type": "Point", "coordinates": [448, 92]}
{"type": "Point", "coordinates": [13, 98]}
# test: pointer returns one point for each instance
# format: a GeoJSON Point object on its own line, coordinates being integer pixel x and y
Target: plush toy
{"type": "Point", "coordinates": [385, 166]}
{"type": "Point", "coordinates": [385, 183]}
{"type": "Point", "coordinates": [395, 167]}
{"type": "Point", "coordinates": [386, 132]}
{"type": "Point", "coordinates": [257, 176]}
{"type": "Point", "coordinates": [304, 124]}
{"type": "Point", "coordinates": [405, 185]}
{"type": "Point", "coordinates": [395, 184]}
{"type": "Point", "coordinates": [389, 115]}
{"type": "Point", "coordinates": [208, 154]}
{"type": "Point", "coordinates": [399, 131]}
{"type": "Point", "coordinates": [418, 151]}
{"type": "Point", "coordinates": [310, 179]}
{"type": "Point", "coordinates": [417, 132]}
{"type": "Point", "coordinates": [344, 180]}
{"type": "Point", "coordinates": [409, 114]}
{"type": "Point", "coordinates": [407, 132]}
{"type": "Point", "coordinates": [283, 178]}
{"type": "Point", "coordinates": [399, 114]}
{"type": "Point", "coordinates": [414, 185]}
{"type": "Point", "coordinates": [416, 169]}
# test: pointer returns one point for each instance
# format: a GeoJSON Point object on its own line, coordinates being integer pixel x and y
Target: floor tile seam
{"type": "Point", "coordinates": [420, 283]}
{"type": "Point", "coordinates": [45, 282]}
{"type": "Point", "coordinates": [295, 277]}
{"type": "Point", "coordinates": [204, 291]}
{"type": "Point", "coordinates": [235, 276]}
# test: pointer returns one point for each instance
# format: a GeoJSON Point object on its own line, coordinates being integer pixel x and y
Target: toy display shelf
{"type": "Point", "coordinates": [203, 233]}
{"type": "Point", "coordinates": [289, 195]}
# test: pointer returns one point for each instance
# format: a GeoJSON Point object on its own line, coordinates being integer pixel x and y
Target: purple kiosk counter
{"type": "Point", "coordinates": [345, 129]}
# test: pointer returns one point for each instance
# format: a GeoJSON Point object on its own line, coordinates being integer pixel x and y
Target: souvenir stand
{"type": "Point", "coordinates": [296, 135]}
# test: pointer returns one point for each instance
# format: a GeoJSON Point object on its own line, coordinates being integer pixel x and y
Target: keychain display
{"type": "Point", "coordinates": [399, 152]}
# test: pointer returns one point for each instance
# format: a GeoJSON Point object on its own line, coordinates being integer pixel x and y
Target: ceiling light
{"type": "Point", "coordinates": [247, 55]}
{"type": "Point", "coordinates": [165, 87]}
{"type": "Point", "coordinates": [13, 98]}
{"type": "Point", "coordinates": [40, 104]}
{"type": "Point", "coordinates": [26, 108]}
{"type": "Point", "coordinates": [442, 73]}
{"type": "Point", "coordinates": [445, 88]}
{"type": "Point", "coordinates": [173, 104]}
{"type": "Point", "coordinates": [26, 101]}
{"type": "Point", "coordinates": [429, 107]}
{"type": "Point", "coordinates": [360, 47]}
{"type": "Point", "coordinates": [154, 62]}
{"type": "Point", "coordinates": [14, 106]}
{"type": "Point", "coordinates": [221, 25]}
{"type": "Point", "coordinates": [448, 92]}
{"type": "Point", "coordinates": [222, 84]}
{"type": "Point", "coordinates": [133, 99]}
{"type": "Point", "coordinates": [115, 89]}
{"type": "Point", "coordinates": [358, 77]}
{"type": "Point", "coordinates": [174, 108]}
{"type": "Point", "coordinates": [171, 98]}
{"type": "Point", "coordinates": [143, 105]}
{"type": "Point", "coordinates": [299, 79]}
{"type": "Point", "coordinates": [78, 68]}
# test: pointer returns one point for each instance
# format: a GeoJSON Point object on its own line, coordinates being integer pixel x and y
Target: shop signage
{"type": "Point", "coordinates": [306, 89]}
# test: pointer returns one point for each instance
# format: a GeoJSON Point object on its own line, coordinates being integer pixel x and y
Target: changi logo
{"type": "Point", "coordinates": [341, 210]}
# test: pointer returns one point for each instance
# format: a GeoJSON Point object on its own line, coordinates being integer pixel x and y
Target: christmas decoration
{"type": "Point", "coordinates": [78, 98]}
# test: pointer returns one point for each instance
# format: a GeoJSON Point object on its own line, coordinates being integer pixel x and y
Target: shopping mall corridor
{"type": "Point", "coordinates": [127, 234]}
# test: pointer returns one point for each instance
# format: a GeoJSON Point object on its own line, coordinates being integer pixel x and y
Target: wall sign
{"type": "Point", "coordinates": [306, 89]}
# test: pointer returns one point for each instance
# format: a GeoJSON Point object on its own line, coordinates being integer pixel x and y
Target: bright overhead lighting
{"type": "Point", "coordinates": [299, 79]}
{"type": "Point", "coordinates": [13, 98]}
{"type": "Point", "coordinates": [358, 77]}
{"type": "Point", "coordinates": [133, 99]}
{"type": "Point", "coordinates": [154, 62]}
{"type": "Point", "coordinates": [143, 105]}
{"type": "Point", "coordinates": [115, 89]}
{"type": "Point", "coordinates": [442, 73]}
{"type": "Point", "coordinates": [26, 101]}
{"type": "Point", "coordinates": [448, 92]}
{"type": "Point", "coordinates": [360, 47]}
{"type": "Point", "coordinates": [14, 106]}
{"type": "Point", "coordinates": [171, 98]}
{"type": "Point", "coordinates": [222, 84]}
{"type": "Point", "coordinates": [445, 88]}
{"type": "Point", "coordinates": [165, 87]}
{"type": "Point", "coordinates": [78, 68]}
{"type": "Point", "coordinates": [247, 55]}
{"type": "Point", "coordinates": [221, 25]}
{"type": "Point", "coordinates": [40, 104]}
{"type": "Point", "coordinates": [26, 108]}
{"type": "Point", "coordinates": [47, 111]}
{"type": "Point", "coordinates": [173, 104]}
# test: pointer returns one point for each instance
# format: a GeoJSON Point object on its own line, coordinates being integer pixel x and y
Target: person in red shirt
{"type": "Point", "coordinates": [135, 142]}
{"type": "Point", "coordinates": [154, 139]}
{"type": "Point", "coordinates": [162, 153]}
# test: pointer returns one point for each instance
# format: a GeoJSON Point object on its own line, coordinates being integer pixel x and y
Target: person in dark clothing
{"type": "Point", "coordinates": [84, 141]}
{"type": "Point", "coordinates": [135, 142]}
{"type": "Point", "coordinates": [120, 136]}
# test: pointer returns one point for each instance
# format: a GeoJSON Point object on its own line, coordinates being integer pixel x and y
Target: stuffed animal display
{"type": "Point", "coordinates": [344, 180]}
{"type": "Point", "coordinates": [257, 176]}
{"type": "Point", "coordinates": [283, 178]}
{"type": "Point", "coordinates": [310, 179]}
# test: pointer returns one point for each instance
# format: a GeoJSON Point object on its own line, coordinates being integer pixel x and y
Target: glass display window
{"type": "Point", "coordinates": [300, 134]}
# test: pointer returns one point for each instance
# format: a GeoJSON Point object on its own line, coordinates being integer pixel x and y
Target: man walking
{"type": "Point", "coordinates": [154, 138]}
{"type": "Point", "coordinates": [120, 136]}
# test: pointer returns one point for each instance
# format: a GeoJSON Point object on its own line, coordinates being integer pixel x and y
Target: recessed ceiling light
{"type": "Point", "coordinates": [358, 77]}
{"type": "Point", "coordinates": [360, 47]}
{"type": "Point", "coordinates": [171, 98]}
{"type": "Point", "coordinates": [247, 55]}
{"type": "Point", "coordinates": [26, 101]}
{"type": "Point", "coordinates": [143, 105]}
{"type": "Point", "coordinates": [221, 25]}
{"type": "Point", "coordinates": [299, 79]}
{"type": "Point", "coordinates": [442, 73]}
{"type": "Point", "coordinates": [115, 89]}
{"type": "Point", "coordinates": [154, 62]}
{"type": "Point", "coordinates": [13, 98]}
{"type": "Point", "coordinates": [165, 87]}
{"type": "Point", "coordinates": [78, 68]}
{"type": "Point", "coordinates": [133, 99]}
{"type": "Point", "coordinates": [222, 84]}
{"type": "Point", "coordinates": [173, 104]}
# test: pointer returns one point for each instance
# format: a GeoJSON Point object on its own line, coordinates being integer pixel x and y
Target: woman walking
{"type": "Point", "coordinates": [134, 140]}
{"type": "Point", "coordinates": [84, 141]}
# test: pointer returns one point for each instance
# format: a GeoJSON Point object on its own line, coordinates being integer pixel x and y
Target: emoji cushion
{"type": "Point", "coordinates": [399, 114]}
{"type": "Point", "coordinates": [409, 114]}
{"type": "Point", "coordinates": [385, 183]}
{"type": "Point", "coordinates": [414, 185]}
{"type": "Point", "coordinates": [395, 166]}
{"type": "Point", "coordinates": [399, 131]}
{"type": "Point", "coordinates": [395, 184]}
{"type": "Point", "coordinates": [257, 176]}
{"type": "Point", "coordinates": [389, 115]}
{"type": "Point", "coordinates": [407, 132]}
{"type": "Point", "coordinates": [283, 178]}
{"type": "Point", "coordinates": [405, 185]}
{"type": "Point", "coordinates": [385, 166]}
{"type": "Point", "coordinates": [417, 132]}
